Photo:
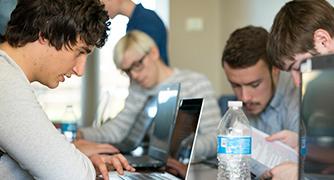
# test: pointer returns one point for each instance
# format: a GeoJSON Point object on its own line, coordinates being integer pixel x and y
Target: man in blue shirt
{"type": "Point", "coordinates": [270, 98]}
{"type": "Point", "coordinates": [141, 19]}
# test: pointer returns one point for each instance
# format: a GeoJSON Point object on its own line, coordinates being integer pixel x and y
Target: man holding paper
{"type": "Point", "coordinates": [269, 96]}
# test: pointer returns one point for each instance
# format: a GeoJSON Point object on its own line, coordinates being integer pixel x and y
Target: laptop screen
{"type": "Point", "coordinates": [185, 131]}
{"type": "Point", "coordinates": [185, 128]}
{"type": "Point", "coordinates": [164, 121]}
{"type": "Point", "coordinates": [317, 115]}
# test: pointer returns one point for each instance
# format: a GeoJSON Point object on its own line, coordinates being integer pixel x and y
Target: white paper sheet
{"type": "Point", "coordinates": [266, 155]}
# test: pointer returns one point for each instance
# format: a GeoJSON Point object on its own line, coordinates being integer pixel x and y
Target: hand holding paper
{"type": "Point", "coordinates": [266, 155]}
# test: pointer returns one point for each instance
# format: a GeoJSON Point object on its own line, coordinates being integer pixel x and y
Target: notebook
{"type": "Point", "coordinates": [317, 116]}
{"type": "Point", "coordinates": [182, 139]}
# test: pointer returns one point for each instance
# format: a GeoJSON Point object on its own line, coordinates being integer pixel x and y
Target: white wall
{"type": "Point", "coordinates": [201, 50]}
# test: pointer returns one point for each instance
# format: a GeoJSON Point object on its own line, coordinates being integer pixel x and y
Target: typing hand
{"type": "Point", "coordinates": [286, 170]}
{"type": "Point", "coordinates": [89, 148]}
{"type": "Point", "coordinates": [104, 163]}
{"type": "Point", "coordinates": [289, 138]}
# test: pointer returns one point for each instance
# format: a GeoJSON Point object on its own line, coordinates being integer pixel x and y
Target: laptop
{"type": "Point", "coordinates": [163, 125]}
{"type": "Point", "coordinates": [317, 117]}
{"type": "Point", "coordinates": [182, 140]}
{"type": "Point", "coordinates": [136, 137]}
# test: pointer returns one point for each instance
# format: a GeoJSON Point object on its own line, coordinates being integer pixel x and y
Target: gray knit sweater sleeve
{"type": "Point", "coordinates": [34, 148]}
{"type": "Point", "coordinates": [116, 129]}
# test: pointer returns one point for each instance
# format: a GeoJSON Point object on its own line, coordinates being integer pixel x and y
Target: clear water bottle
{"type": "Point", "coordinates": [69, 124]}
{"type": "Point", "coordinates": [234, 142]}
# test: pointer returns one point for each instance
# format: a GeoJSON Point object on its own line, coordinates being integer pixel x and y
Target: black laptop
{"type": "Point", "coordinates": [182, 139]}
{"type": "Point", "coordinates": [163, 125]}
{"type": "Point", "coordinates": [317, 115]}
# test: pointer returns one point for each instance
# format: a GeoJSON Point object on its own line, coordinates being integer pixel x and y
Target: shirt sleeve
{"type": "Point", "coordinates": [31, 140]}
{"type": "Point", "coordinates": [116, 129]}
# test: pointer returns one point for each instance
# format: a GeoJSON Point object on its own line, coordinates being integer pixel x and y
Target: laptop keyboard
{"type": "Point", "coordinates": [142, 176]}
{"type": "Point", "coordinates": [144, 162]}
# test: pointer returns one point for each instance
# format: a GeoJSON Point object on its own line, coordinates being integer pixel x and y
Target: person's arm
{"type": "Point", "coordinates": [30, 139]}
{"type": "Point", "coordinates": [89, 148]}
{"type": "Point", "coordinates": [115, 130]}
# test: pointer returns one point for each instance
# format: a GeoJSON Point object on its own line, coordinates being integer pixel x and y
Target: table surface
{"type": "Point", "coordinates": [201, 171]}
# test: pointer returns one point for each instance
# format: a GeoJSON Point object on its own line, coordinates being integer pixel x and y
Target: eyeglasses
{"type": "Point", "coordinates": [136, 66]}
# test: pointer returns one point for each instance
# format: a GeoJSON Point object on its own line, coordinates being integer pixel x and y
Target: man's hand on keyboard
{"type": "Point", "coordinates": [104, 163]}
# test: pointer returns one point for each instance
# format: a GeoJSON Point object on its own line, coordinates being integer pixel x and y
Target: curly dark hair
{"type": "Point", "coordinates": [61, 22]}
{"type": "Point", "coordinates": [245, 47]}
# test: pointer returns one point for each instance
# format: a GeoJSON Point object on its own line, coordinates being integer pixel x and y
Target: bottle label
{"type": "Point", "coordinates": [234, 145]}
{"type": "Point", "coordinates": [303, 148]}
{"type": "Point", "coordinates": [69, 130]}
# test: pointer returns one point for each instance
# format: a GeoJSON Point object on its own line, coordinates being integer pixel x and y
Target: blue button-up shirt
{"type": "Point", "coordinates": [283, 110]}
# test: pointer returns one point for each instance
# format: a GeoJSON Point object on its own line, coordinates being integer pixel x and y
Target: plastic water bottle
{"type": "Point", "coordinates": [234, 143]}
{"type": "Point", "coordinates": [69, 124]}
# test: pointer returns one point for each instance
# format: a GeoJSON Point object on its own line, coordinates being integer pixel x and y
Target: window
{"type": "Point", "coordinates": [54, 101]}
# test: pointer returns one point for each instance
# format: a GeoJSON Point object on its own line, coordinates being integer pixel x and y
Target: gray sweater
{"type": "Point", "coordinates": [34, 148]}
{"type": "Point", "coordinates": [192, 85]}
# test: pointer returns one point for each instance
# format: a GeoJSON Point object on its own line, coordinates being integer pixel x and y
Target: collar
{"type": "Point", "coordinates": [284, 82]}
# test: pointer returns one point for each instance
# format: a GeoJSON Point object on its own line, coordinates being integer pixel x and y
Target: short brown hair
{"type": "Point", "coordinates": [245, 47]}
{"type": "Point", "coordinates": [293, 28]}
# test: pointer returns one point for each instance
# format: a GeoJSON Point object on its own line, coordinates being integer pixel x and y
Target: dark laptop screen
{"type": "Point", "coordinates": [185, 131]}
{"type": "Point", "coordinates": [317, 115]}
{"type": "Point", "coordinates": [187, 121]}
{"type": "Point", "coordinates": [164, 122]}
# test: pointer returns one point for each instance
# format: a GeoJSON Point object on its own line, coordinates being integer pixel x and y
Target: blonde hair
{"type": "Point", "coordinates": [134, 40]}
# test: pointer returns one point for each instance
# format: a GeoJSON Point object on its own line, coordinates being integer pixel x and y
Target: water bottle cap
{"type": "Point", "coordinates": [234, 103]}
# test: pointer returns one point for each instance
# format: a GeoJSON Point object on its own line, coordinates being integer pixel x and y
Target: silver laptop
{"type": "Point", "coordinates": [182, 139]}
{"type": "Point", "coordinates": [317, 115]}
{"type": "Point", "coordinates": [163, 125]}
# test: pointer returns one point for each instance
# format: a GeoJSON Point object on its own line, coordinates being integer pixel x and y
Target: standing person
{"type": "Point", "coordinates": [269, 96]}
{"type": "Point", "coordinates": [137, 55]}
{"type": "Point", "coordinates": [301, 29]}
{"type": "Point", "coordinates": [141, 19]}
{"type": "Point", "coordinates": [45, 41]}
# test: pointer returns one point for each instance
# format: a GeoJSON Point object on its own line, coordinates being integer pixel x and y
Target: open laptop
{"type": "Point", "coordinates": [182, 139]}
{"type": "Point", "coordinates": [140, 128]}
{"type": "Point", "coordinates": [317, 115]}
{"type": "Point", "coordinates": [164, 120]}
